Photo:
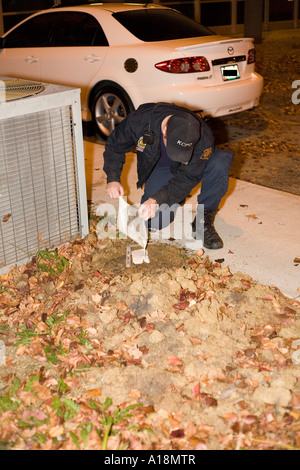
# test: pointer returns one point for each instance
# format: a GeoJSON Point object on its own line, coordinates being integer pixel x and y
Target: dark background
{"type": "Point", "coordinates": [212, 14]}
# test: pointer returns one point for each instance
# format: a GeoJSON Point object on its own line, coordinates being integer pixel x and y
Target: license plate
{"type": "Point", "coordinates": [230, 72]}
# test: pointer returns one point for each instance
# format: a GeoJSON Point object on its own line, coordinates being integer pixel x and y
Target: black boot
{"type": "Point", "coordinates": [211, 239]}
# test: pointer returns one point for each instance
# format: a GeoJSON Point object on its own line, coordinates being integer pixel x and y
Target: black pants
{"type": "Point", "coordinates": [214, 186]}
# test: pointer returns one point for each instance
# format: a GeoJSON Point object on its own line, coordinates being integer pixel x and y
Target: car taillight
{"type": "Point", "coordinates": [251, 56]}
{"type": "Point", "coordinates": [184, 65]}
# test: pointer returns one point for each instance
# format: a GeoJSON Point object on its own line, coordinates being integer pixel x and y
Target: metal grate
{"type": "Point", "coordinates": [39, 200]}
{"type": "Point", "coordinates": [18, 88]}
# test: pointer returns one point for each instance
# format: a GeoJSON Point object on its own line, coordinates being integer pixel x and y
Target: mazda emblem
{"type": "Point", "coordinates": [230, 50]}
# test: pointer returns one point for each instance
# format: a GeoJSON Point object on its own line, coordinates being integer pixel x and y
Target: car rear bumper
{"type": "Point", "coordinates": [215, 100]}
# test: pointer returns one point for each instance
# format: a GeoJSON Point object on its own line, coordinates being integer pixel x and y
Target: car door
{"type": "Point", "coordinates": [23, 48]}
{"type": "Point", "coordinates": [78, 47]}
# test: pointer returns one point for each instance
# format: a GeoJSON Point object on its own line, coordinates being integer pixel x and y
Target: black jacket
{"type": "Point", "coordinates": [130, 132]}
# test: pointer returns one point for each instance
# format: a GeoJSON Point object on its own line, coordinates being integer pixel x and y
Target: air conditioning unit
{"type": "Point", "coordinates": [43, 202]}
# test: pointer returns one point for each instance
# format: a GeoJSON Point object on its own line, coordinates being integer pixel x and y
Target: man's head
{"type": "Point", "coordinates": [183, 132]}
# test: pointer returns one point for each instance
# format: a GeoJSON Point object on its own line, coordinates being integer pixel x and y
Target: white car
{"type": "Point", "coordinates": [123, 55]}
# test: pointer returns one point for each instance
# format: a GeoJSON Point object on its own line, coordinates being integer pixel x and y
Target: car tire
{"type": "Point", "coordinates": [110, 106]}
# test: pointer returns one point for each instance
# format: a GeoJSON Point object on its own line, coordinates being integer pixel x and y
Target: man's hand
{"type": "Point", "coordinates": [114, 190]}
{"type": "Point", "coordinates": [148, 209]}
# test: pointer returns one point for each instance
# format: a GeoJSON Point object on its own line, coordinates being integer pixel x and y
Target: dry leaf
{"type": "Point", "coordinates": [94, 392]}
{"type": "Point", "coordinates": [196, 390]}
{"type": "Point", "coordinates": [135, 393]}
{"type": "Point", "coordinates": [181, 305]}
{"type": "Point", "coordinates": [173, 361]}
{"type": "Point", "coordinates": [178, 433]}
{"type": "Point", "coordinates": [6, 217]}
{"type": "Point", "coordinates": [246, 282]}
{"type": "Point", "coordinates": [195, 341]}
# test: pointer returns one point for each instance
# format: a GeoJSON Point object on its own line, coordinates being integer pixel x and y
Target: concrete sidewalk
{"type": "Point", "coordinates": [260, 226]}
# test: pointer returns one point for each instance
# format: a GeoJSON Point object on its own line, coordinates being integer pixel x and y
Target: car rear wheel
{"type": "Point", "coordinates": [110, 107]}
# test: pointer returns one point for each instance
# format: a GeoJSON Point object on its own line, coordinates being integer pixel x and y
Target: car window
{"type": "Point", "coordinates": [160, 25]}
{"type": "Point", "coordinates": [35, 32]}
{"type": "Point", "coordinates": [74, 28]}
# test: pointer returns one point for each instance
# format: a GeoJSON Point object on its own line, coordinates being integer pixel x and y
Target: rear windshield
{"type": "Point", "coordinates": [160, 25]}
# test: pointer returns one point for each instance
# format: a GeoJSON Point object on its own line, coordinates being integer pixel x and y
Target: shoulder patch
{"type": "Point", "coordinates": [140, 145]}
{"type": "Point", "coordinates": [206, 154]}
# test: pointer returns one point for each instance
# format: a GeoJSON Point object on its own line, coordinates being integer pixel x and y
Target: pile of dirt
{"type": "Point", "coordinates": [175, 354]}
